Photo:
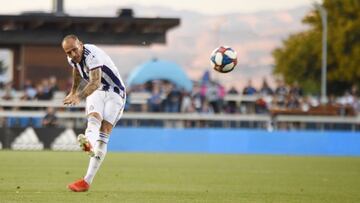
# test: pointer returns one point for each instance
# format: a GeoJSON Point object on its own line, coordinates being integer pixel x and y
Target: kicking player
{"type": "Point", "coordinates": [105, 100]}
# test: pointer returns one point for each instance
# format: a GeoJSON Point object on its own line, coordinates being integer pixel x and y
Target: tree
{"type": "Point", "coordinates": [299, 58]}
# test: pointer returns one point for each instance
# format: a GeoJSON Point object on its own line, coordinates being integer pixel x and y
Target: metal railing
{"type": "Point", "coordinates": [180, 120]}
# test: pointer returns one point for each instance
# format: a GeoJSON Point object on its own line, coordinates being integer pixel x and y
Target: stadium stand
{"type": "Point", "coordinates": [180, 108]}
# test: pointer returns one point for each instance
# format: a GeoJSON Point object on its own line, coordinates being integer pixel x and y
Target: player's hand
{"type": "Point", "coordinates": [71, 99]}
{"type": "Point", "coordinates": [67, 98]}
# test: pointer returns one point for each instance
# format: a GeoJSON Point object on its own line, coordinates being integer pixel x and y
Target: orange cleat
{"type": "Point", "coordinates": [79, 186]}
{"type": "Point", "coordinates": [85, 145]}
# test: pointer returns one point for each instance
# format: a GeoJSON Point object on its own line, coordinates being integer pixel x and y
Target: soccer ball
{"type": "Point", "coordinates": [223, 59]}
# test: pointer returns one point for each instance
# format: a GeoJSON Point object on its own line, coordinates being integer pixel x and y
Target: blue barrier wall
{"type": "Point", "coordinates": [234, 141]}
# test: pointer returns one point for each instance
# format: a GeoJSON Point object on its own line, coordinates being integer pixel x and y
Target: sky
{"type": "Point", "coordinates": [213, 7]}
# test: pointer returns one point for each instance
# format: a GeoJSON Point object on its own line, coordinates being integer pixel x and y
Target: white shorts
{"type": "Point", "coordinates": [108, 104]}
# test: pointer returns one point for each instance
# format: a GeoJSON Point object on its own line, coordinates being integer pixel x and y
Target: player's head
{"type": "Point", "coordinates": [73, 47]}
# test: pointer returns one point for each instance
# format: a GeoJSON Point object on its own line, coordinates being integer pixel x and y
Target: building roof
{"type": "Point", "coordinates": [49, 29]}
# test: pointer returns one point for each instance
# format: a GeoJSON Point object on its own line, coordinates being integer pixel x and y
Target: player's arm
{"type": "Point", "coordinates": [76, 81]}
{"type": "Point", "coordinates": [94, 83]}
{"type": "Point", "coordinates": [69, 99]}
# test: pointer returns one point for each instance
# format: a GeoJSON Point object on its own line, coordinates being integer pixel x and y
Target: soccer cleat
{"type": "Point", "coordinates": [79, 186]}
{"type": "Point", "coordinates": [85, 145]}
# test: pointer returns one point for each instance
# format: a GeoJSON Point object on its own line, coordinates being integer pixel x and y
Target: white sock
{"type": "Point", "coordinates": [100, 150]}
{"type": "Point", "coordinates": [93, 129]}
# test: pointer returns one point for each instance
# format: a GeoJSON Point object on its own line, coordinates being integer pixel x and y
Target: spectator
{"type": "Point", "coordinates": [248, 106]}
{"type": "Point", "coordinates": [26, 96]}
{"type": "Point", "coordinates": [221, 95]}
{"type": "Point", "coordinates": [53, 84]}
{"type": "Point", "coordinates": [249, 89]}
{"type": "Point", "coordinates": [206, 108]}
{"type": "Point", "coordinates": [305, 103]}
{"type": "Point", "coordinates": [265, 89]}
{"type": "Point", "coordinates": [355, 93]}
{"type": "Point", "coordinates": [47, 89]}
{"type": "Point", "coordinates": [332, 100]}
{"type": "Point", "coordinates": [173, 98]}
{"type": "Point", "coordinates": [292, 102]}
{"type": "Point", "coordinates": [155, 99]}
{"type": "Point", "coordinates": [213, 97]}
{"type": "Point", "coordinates": [232, 105]}
{"type": "Point", "coordinates": [264, 103]}
{"type": "Point", "coordinates": [50, 119]}
{"type": "Point", "coordinates": [196, 98]}
{"type": "Point", "coordinates": [40, 93]}
{"type": "Point", "coordinates": [296, 90]}
{"type": "Point", "coordinates": [186, 104]}
{"type": "Point", "coordinates": [53, 87]}
{"type": "Point", "coordinates": [29, 91]}
{"type": "Point", "coordinates": [233, 91]}
{"type": "Point", "coordinates": [350, 103]}
{"type": "Point", "coordinates": [261, 106]}
{"type": "Point", "coordinates": [281, 92]}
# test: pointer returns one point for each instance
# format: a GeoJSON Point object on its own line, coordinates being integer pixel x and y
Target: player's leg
{"type": "Point", "coordinates": [113, 109]}
{"type": "Point", "coordinates": [97, 150]}
{"type": "Point", "coordinates": [92, 131]}
{"type": "Point", "coordinates": [94, 110]}
{"type": "Point", "coordinates": [100, 150]}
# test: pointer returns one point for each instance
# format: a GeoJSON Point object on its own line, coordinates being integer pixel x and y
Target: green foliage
{"type": "Point", "coordinates": [299, 58]}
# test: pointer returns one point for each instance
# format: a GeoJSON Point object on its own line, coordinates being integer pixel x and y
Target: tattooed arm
{"type": "Point", "coordinates": [76, 81]}
{"type": "Point", "coordinates": [70, 99]}
{"type": "Point", "coordinates": [94, 84]}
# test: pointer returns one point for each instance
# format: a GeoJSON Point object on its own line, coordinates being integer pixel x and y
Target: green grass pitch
{"type": "Point", "coordinates": [132, 177]}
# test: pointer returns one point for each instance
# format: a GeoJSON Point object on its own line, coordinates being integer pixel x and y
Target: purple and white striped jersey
{"type": "Point", "coordinates": [93, 58]}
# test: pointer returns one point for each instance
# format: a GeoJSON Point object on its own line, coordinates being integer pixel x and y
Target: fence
{"type": "Point", "coordinates": [75, 117]}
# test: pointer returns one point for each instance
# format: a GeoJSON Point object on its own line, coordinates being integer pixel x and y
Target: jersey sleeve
{"type": "Point", "coordinates": [93, 60]}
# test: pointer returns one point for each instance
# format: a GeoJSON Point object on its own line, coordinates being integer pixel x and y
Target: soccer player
{"type": "Point", "coordinates": [105, 99]}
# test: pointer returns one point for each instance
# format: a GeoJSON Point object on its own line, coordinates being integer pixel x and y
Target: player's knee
{"type": "Point", "coordinates": [95, 115]}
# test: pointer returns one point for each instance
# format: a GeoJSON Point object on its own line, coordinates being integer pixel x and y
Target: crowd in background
{"type": "Point", "coordinates": [43, 90]}
{"type": "Point", "coordinates": [210, 97]}
{"type": "Point", "coordinates": [206, 97]}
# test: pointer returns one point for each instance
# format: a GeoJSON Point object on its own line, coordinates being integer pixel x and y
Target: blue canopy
{"type": "Point", "coordinates": [159, 70]}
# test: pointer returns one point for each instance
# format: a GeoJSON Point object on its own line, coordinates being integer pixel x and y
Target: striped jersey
{"type": "Point", "coordinates": [93, 58]}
